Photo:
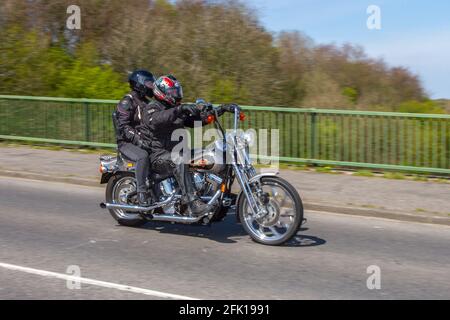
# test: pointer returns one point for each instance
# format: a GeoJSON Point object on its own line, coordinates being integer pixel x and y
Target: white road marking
{"type": "Point", "coordinates": [94, 282]}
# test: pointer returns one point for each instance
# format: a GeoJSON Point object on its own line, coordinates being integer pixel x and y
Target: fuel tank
{"type": "Point", "coordinates": [210, 159]}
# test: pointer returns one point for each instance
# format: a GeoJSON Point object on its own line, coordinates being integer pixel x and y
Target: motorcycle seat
{"type": "Point", "coordinates": [124, 157]}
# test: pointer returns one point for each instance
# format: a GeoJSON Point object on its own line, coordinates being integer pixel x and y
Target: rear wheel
{"type": "Point", "coordinates": [118, 190]}
{"type": "Point", "coordinates": [284, 217]}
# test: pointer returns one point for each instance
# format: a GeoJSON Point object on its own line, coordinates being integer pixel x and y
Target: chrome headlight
{"type": "Point", "coordinates": [249, 138]}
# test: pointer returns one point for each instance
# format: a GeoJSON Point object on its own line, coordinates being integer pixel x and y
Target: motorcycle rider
{"type": "Point", "coordinates": [162, 116]}
{"type": "Point", "coordinates": [126, 121]}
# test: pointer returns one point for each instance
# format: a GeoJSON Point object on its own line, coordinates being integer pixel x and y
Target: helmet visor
{"type": "Point", "coordinates": [176, 93]}
{"type": "Point", "coordinates": [149, 84]}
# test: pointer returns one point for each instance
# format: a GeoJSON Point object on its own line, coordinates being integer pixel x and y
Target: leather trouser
{"type": "Point", "coordinates": [141, 158]}
{"type": "Point", "coordinates": [165, 165]}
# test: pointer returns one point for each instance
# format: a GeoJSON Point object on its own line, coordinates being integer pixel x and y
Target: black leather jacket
{"type": "Point", "coordinates": [127, 119]}
{"type": "Point", "coordinates": [158, 124]}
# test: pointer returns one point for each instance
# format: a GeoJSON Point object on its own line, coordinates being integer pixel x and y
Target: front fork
{"type": "Point", "coordinates": [258, 209]}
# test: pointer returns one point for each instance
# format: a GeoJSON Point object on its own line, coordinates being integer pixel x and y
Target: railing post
{"type": "Point", "coordinates": [313, 134]}
{"type": "Point", "coordinates": [87, 122]}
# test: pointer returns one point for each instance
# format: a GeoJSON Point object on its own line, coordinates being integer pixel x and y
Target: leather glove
{"type": "Point", "coordinates": [189, 109]}
{"type": "Point", "coordinates": [145, 145]}
{"type": "Point", "coordinates": [226, 108]}
{"type": "Point", "coordinates": [139, 142]}
{"type": "Point", "coordinates": [205, 106]}
{"type": "Point", "coordinates": [229, 107]}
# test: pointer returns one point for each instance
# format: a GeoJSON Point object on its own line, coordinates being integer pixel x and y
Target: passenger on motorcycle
{"type": "Point", "coordinates": [127, 118]}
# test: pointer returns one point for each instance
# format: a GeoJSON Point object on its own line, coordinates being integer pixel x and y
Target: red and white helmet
{"type": "Point", "coordinates": [168, 90]}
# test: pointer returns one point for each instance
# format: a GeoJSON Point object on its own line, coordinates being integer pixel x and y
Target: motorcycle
{"type": "Point", "coordinates": [268, 207]}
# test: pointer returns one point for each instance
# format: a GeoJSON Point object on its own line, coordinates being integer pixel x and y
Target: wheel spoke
{"type": "Point", "coordinates": [282, 225]}
{"type": "Point", "coordinates": [261, 229]}
{"type": "Point", "coordinates": [283, 199]}
{"type": "Point", "coordinates": [250, 218]}
{"type": "Point", "coordinates": [274, 191]}
{"type": "Point", "coordinates": [277, 196]}
{"type": "Point", "coordinates": [274, 232]}
{"type": "Point", "coordinates": [288, 213]}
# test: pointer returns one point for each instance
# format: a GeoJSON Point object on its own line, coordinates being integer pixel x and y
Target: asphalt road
{"type": "Point", "coordinates": [50, 226]}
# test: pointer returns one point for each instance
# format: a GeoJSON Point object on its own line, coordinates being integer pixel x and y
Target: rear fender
{"type": "Point", "coordinates": [108, 175]}
{"type": "Point", "coordinates": [105, 177]}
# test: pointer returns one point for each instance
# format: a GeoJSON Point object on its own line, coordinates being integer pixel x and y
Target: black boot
{"type": "Point", "coordinates": [143, 199]}
{"type": "Point", "coordinates": [198, 207]}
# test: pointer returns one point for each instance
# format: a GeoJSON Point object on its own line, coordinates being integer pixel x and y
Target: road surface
{"type": "Point", "coordinates": [46, 227]}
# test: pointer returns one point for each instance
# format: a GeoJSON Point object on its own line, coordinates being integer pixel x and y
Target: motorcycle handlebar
{"type": "Point", "coordinates": [232, 108]}
{"type": "Point", "coordinates": [209, 110]}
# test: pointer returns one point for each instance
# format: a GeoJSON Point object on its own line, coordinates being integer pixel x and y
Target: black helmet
{"type": "Point", "coordinates": [168, 90]}
{"type": "Point", "coordinates": [142, 82]}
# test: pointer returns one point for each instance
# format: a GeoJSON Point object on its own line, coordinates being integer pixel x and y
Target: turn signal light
{"type": "Point", "coordinates": [210, 119]}
{"type": "Point", "coordinates": [242, 116]}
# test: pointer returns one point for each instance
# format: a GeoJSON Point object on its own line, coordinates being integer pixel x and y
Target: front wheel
{"type": "Point", "coordinates": [284, 217]}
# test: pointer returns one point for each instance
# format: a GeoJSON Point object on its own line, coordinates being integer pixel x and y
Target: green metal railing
{"type": "Point", "coordinates": [383, 140]}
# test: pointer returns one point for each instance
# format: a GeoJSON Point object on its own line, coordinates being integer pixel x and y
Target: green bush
{"type": "Point", "coordinates": [426, 106]}
{"type": "Point", "coordinates": [34, 66]}
{"type": "Point", "coordinates": [85, 78]}
{"type": "Point", "coordinates": [351, 94]}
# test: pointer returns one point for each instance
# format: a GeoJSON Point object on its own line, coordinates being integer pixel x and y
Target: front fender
{"type": "Point", "coordinates": [262, 175]}
{"type": "Point", "coordinates": [254, 179]}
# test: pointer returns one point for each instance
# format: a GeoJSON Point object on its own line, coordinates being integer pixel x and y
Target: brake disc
{"type": "Point", "coordinates": [271, 218]}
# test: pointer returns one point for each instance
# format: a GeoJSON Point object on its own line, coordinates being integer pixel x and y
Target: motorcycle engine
{"type": "Point", "coordinates": [167, 187]}
{"type": "Point", "coordinates": [202, 186]}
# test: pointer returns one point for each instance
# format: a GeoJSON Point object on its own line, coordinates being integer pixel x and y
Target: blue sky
{"type": "Point", "coordinates": [414, 33]}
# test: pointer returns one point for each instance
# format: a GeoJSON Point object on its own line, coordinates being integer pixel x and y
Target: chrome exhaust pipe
{"type": "Point", "coordinates": [129, 208]}
{"type": "Point", "coordinates": [177, 219]}
{"type": "Point", "coordinates": [187, 220]}
{"type": "Point", "coordinates": [215, 197]}
{"type": "Point", "coordinates": [164, 218]}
